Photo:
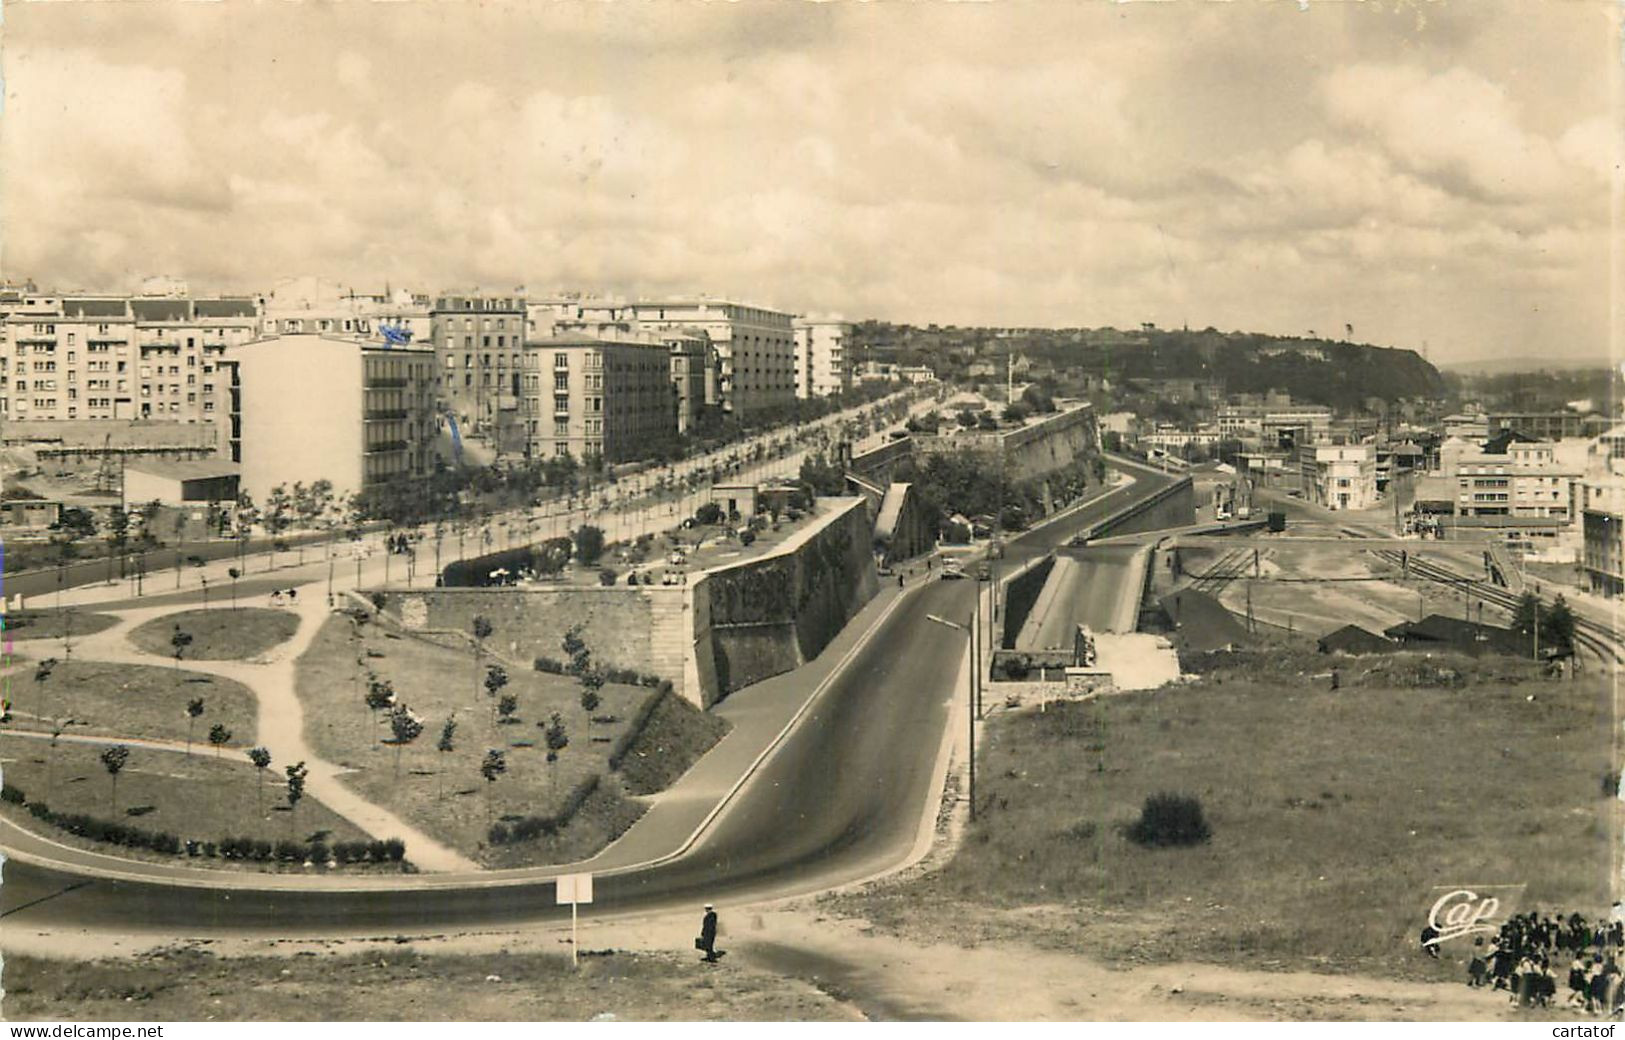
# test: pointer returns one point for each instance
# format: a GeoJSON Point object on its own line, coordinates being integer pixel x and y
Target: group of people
{"type": "Point", "coordinates": [290, 596]}
{"type": "Point", "coordinates": [1526, 959]}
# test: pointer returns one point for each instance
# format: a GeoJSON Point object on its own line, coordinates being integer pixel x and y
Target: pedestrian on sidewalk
{"type": "Point", "coordinates": [708, 936]}
{"type": "Point", "coordinates": [899, 579]}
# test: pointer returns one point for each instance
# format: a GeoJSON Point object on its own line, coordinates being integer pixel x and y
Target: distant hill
{"type": "Point", "coordinates": [1513, 366]}
{"type": "Point", "coordinates": [1331, 372]}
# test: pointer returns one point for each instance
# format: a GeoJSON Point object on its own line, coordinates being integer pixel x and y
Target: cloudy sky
{"type": "Point", "coordinates": [1432, 172]}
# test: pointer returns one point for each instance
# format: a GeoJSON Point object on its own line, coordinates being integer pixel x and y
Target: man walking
{"type": "Point", "coordinates": [708, 935]}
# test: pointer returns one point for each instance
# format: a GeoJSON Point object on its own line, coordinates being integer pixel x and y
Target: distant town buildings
{"type": "Point", "coordinates": [479, 344]}
{"type": "Point", "coordinates": [1339, 476]}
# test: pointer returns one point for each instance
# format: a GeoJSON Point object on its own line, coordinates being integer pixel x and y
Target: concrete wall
{"type": "Point", "coordinates": [1174, 506]}
{"type": "Point", "coordinates": [772, 614]}
{"type": "Point", "coordinates": [1019, 594]}
{"type": "Point", "coordinates": [879, 464]}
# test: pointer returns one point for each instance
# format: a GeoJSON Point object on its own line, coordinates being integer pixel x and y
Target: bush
{"type": "Point", "coordinates": [589, 544]}
{"type": "Point", "coordinates": [708, 513]}
{"type": "Point", "coordinates": [606, 576]}
{"type": "Point", "coordinates": [1170, 820]}
{"type": "Point", "coordinates": [550, 665]}
{"type": "Point", "coordinates": [11, 794]}
{"type": "Point", "coordinates": [498, 834]}
{"type": "Point", "coordinates": [289, 851]}
{"type": "Point", "coordinates": [320, 853]}
{"type": "Point", "coordinates": [747, 537]}
{"type": "Point", "coordinates": [395, 849]}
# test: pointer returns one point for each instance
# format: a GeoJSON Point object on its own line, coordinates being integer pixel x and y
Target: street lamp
{"type": "Point", "coordinates": [974, 693]}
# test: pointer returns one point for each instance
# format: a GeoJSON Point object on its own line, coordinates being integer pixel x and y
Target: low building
{"type": "Point", "coordinates": [917, 374]}
{"type": "Point", "coordinates": [1354, 640]}
{"type": "Point", "coordinates": [1442, 632]}
{"type": "Point", "coordinates": [174, 483]}
{"type": "Point", "coordinates": [308, 407]}
{"type": "Point", "coordinates": [1603, 522]}
{"type": "Point", "coordinates": [35, 514]}
{"type": "Point", "coordinates": [736, 499]}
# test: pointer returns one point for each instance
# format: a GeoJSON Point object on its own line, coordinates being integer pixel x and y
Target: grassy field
{"type": "Point", "coordinates": [201, 796]}
{"type": "Point", "coordinates": [218, 634]}
{"type": "Point", "coordinates": [126, 700]}
{"type": "Point", "coordinates": [445, 793]}
{"type": "Point", "coordinates": [51, 624]}
{"type": "Point", "coordinates": [396, 983]}
{"type": "Point", "coordinates": [1333, 814]}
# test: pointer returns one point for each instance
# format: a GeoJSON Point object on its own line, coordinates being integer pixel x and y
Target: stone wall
{"type": "Point", "coordinates": [730, 627]}
{"type": "Point", "coordinates": [1035, 450]}
{"type": "Point", "coordinates": [769, 615]}
{"type": "Point", "coordinates": [1174, 506]}
{"type": "Point", "coordinates": [640, 628]}
{"type": "Point", "coordinates": [1020, 593]}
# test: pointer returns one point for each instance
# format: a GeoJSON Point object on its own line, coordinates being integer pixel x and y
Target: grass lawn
{"type": "Point", "coordinates": [444, 793]}
{"type": "Point", "coordinates": [51, 624]}
{"type": "Point", "coordinates": [1333, 814]}
{"type": "Point", "coordinates": [394, 982]}
{"type": "Point", "coordinates": [131, 700]}
{"type": "Point", "coordinates": [218, 634]}
{"type": "Point", "coordinates": [201, 796]}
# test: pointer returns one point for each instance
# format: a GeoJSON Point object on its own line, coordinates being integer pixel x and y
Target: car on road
{"type": "Point", "coordinates": [984, 571]}
{"type": "Point", "coordinates": [952, 569]}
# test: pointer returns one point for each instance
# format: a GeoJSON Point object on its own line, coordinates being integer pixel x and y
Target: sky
{"type": "Point", "coordinates": [1443, 173]}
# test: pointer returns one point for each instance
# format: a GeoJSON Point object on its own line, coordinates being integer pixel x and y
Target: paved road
{"type": "Point", "coordinates": [840, 800]}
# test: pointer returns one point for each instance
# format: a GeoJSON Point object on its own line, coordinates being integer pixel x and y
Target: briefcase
{"type": "Point", "coordinates": [699, 944]}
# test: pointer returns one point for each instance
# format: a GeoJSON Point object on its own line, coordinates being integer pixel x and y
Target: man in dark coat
{"type": "Point", "coordinates": [708, 934]}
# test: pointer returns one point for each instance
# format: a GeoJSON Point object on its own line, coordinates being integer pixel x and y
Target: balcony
{"type": "Point", "coordinates": [387, 384]}
{"type": "Point", "coordinates": [385, 413]}
{"type": "Point", "coordinates": [383, 447]}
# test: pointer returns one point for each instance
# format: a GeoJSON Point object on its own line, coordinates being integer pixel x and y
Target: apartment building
{"type": "Point", "coordinates": [479, 344]}
{"type": "Point", "coordinates": [309, 406]}
{"type": "Point", "coordinates": [1602, 523]}
{"type": "Point", "coordinates": [1339, 476]}
{"type": "Point", "coordinates": [1528, 480]}
{"type": "Point", "coordinates": [316, 305]}
{"type": "Point", "coordinates": [823, 356]}
{"type": "Point", "coordinates": [588, 397]}
{"type": "Point", "coordinates": [117, 357]}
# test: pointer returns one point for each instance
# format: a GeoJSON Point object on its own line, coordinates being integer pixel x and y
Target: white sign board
{"type": "Point", "coordinates": [573, 888]}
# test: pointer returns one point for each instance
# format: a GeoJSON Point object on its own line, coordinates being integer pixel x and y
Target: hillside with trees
{"type": "Point", "coordinates": [1339, 373]}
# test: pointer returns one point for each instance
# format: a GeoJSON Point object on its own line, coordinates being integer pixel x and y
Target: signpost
{"type": "Point", "coordinates": [573, 889]}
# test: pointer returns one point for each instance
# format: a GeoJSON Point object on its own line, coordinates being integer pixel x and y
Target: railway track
{"type": "Point", "coordinates": [1593, 636]}
{"type": "Point", "coordinates": [1232, 565]}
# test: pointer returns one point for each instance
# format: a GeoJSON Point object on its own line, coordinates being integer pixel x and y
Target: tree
{"type": "Point", "coordinates": [1558, 627]}
{"type": "Point", "coordinates": [589, 544]}
{"type": "Point", "coordinates": [446, 745]}
{"type": "Point", "coordinates": [494, 765]}
{"type": "Point", "coordinates": [262, 760]}
{"type": "Point", "coordinates": [297, 774]}
{"type": "Point", "coordinates": [507, 704]}
{"type": "Point", "coordinates": [1528, 614]}
{"type": "Point", "coordinates": [194, 709]}
{"type": "Point", "coordinates": [406, 727]}
{"type": "Point", "coordinates": [219, 736]}
{"type": "Point", "coordinates": [113, 759]}
{"type": "Point", "coordinates": [481, 626]}
{"type": "Point", "coordinates": [235, 574]}
{"type": "Point", "coordinates": [57, 726]}
{"type": "Point", "coordinates": [557, 740]}
{"type": "Point", "coordinates": [380, 695]}
{"type": "Point", "coordinates": [496, 677]}
{"type": "Point", "coordinates": [179, 641]}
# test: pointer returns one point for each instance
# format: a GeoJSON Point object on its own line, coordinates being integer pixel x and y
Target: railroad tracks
{"type": "Point", "coordinates": [1226, 569]}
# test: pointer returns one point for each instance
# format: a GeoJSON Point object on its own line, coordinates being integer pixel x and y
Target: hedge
{"type": "Point", "coordinates": [529, 828]}
{"type": "Point", "coordinates": [640, 720]}
{"type": "Point", "coordinates": [234, 848]}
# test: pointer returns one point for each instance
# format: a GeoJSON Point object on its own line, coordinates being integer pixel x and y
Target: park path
{"type": "Point", "coordinates": [280, 720]}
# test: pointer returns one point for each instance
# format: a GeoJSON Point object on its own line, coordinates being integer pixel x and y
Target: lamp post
{"type": "Point", "coordinates": [974, 693]}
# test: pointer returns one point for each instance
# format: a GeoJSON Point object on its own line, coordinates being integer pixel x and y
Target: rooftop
{"type": "Point", "coordinates": [202, 469]}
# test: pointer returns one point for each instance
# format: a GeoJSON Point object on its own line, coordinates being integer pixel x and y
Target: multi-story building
{"type": "Point", "coordinates": [1546, 426]}
{"type": "Point", "coordinates": [595, 398]}
{"type": "Point", "coordinates": [823, 359]}
{"type": "Point", "coordinates": [313, 305]}
{"type": "Point", "coordinates": [1339, 476]}
{"type": "Point", "coordinates": [1238, 421]}
{"type": "Point", "coordinates": [308, 406]}
{"type": "Point", "coordinates": [1303, 423]}
{"type": "Point", "coordinates": [479, 343]}
{"type": "Point", "coordinates": [116, 357]}
{"type": "Point", "coordinates": [692, 367]}
{"type": "Point", "coordinates": [1603, 522]}
{"type": "Point", "coordinates": [755, 346]}
{"type": "Point", "coordinates": [1528, 480]}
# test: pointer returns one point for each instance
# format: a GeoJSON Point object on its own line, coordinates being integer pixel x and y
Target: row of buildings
{"type": "Point", "coordinates": [314, 381]}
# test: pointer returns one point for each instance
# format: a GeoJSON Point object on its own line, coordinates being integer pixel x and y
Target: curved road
{"type": "Point", "coordinates": [840, 800]}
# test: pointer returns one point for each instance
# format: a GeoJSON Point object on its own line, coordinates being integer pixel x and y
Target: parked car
{"type": "Point", "coordinates": [952, 569]}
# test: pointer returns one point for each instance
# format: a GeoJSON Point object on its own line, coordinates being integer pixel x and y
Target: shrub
{"type": "Point", "coordinates": [39, 810]}
{"type": "Point", "coordinates": [289, 851]}
{"type": "Point", "coordinates": [1170, 820]}
{"type": "Point", "coordinates": [11, 794]}
{"type": "Point", "coordinates": [263, 850]}
{"type": "Point", "coordinates": [550, 665]}
{"type": "Point", "coordinates": [606, 576]}
{"type": "Point", "coordinates": [497, 835]}
{"type": "Point", "coordinates": [395, 848]}
{"type": "Point", "coordinates": [589, 544]}
{"type": "Point", "coordinates": [708, 513]}
{"type": "Point", "coordinates": [747, 537]}
{"type": "Point", "coordinates": [319, 852]}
